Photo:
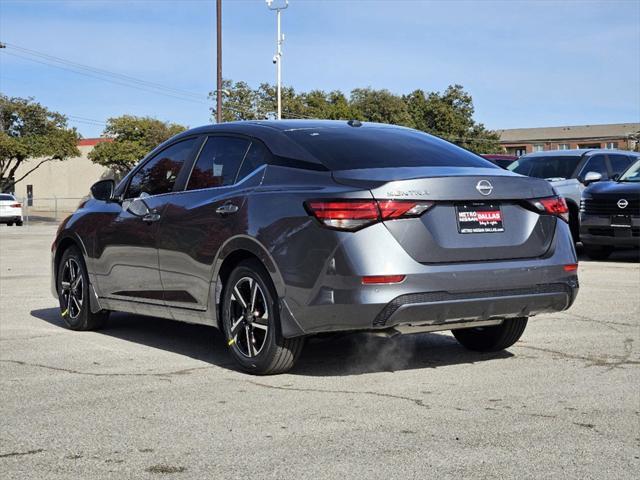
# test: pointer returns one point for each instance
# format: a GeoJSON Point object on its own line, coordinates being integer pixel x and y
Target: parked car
{"type": "Point", "coordinates": [275, 231]}
{"type": "Point", "coordinates": [610, 213]}
{"type": "Point", "coordinates": [567, 170]}
{"type": "Point", "coordinates": [503, 161]}
{"type": "Point", "coordinates": [10, 210]}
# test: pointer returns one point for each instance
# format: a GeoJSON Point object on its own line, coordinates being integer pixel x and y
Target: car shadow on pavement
{"type": "Point", "coordinates": [326, 355]}
{"type": "Point", "coordinates": [618, 256]}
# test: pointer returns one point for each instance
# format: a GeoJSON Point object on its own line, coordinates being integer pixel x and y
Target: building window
{"type": "Point", "coordinates": [520, 151]}
{"type": "Point", "coordinates": [563, 146]}
{"type": "Point", "coordinates": [538, 147]}
{"type": "Point", "coordinates": [612, 145]}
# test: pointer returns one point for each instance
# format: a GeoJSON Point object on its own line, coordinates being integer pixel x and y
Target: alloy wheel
{"type": "Point", "coordinates": [249, 317]}
{"type": "Point", "coordinates": [71, 289]}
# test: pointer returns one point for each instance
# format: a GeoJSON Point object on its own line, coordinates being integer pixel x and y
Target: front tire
{"type": "Point", "coordinates": [251, 322]}
{"type": "Point", "coordinates": [494, 338]}
{"type": "Point", "coordinates": [598, 252]}
{"type": "Point", "coordinates": [73, 293]}
{"type": "Point", "coordinates": [19, 223]}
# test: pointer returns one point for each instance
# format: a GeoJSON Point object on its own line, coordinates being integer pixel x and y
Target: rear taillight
{"type": "Point", "coordinates": [390, 209]}
{"type": "Point", "coordinates": [16, 205]}
{"type": "Point", "coordinates": [553, 206]}
{"type": "Point", "coordinates": [355, 214]}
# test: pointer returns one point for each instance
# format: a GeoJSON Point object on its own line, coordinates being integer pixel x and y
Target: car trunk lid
{"type": "Point", "coordinates": [479, 214]}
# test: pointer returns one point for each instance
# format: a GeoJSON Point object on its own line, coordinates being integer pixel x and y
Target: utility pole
{"type": "Point", "coordinates": [219, 61]}
{"type": "Point", "coordinates": [277, 58]}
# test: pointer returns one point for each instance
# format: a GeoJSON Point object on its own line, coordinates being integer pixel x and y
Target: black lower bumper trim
{"type": "Point", "coordinates": [433, 297]}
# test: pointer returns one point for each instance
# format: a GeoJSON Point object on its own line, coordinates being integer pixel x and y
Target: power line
{"type": "Point", "coordinates": [103, 71]}
{"type": "Point", "coordinates": [118, 79]}
{"type": "Point", "coordinates": [86, 121]}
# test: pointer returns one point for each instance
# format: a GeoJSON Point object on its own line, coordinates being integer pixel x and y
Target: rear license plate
{"type": "Point", "coordinates": [479, 218]}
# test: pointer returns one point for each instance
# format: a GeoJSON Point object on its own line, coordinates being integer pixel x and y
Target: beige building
{"type": "Point", "coordinates": [58, 186]}
{"type": "Point", "coordinates": [519, 141]}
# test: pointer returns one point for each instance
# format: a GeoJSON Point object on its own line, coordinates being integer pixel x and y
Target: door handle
{"type": "Point", "coordinates": [152, 216]}
{"type": "Point", "coordinates": [227, 209]}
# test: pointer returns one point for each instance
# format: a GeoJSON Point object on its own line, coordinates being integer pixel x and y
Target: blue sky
{"type": "Point", "coordinates": [526, 63]}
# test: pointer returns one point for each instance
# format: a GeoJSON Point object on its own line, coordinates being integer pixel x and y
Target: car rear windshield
{"type": "Point", "coordinates": [370, 147]}
{"type": "Point", "coordinates": [546, 167]}
{"type": "Point", "coordinates": [7, 197]}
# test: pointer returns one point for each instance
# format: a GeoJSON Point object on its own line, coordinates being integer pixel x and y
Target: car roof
{"type": "Point", "coordinates": [578, 152]}
{"type": "Point", "coordinates": [287, 125]}
{"type": "Point", "coordinates": [273, 133]}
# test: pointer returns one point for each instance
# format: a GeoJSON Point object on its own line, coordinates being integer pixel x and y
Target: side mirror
{"type": "Point", "coordinates": [103, 190]}
{"type": "Point", "coordinates": [591, 177]}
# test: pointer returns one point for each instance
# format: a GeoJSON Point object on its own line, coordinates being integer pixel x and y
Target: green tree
{"type": "Point", "coordinates": [133, 137]}
{"type": "Point", "coordinates": [379, 106]}
{"type": "Point", "coordinates": [239, 102]}
{"type": "Point", "coordinates": [450, 116]}
{"type": "Point", "coordinates": [293, 105]}
{"type": "Point", "coordinates": [31, 133]}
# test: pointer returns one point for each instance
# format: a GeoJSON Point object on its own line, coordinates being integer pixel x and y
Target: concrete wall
{"type": "Point", "coordinates": [70, 178]}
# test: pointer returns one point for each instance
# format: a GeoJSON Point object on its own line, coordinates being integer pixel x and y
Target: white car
{"type": "Point", "coordinates": [10, 210]}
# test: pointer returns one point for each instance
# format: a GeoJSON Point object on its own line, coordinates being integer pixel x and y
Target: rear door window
{"type": "Point", "coordinates": [619, 163]}
{"type": "Point", "coordinates": [257, 156]}
{"type": "Point", "coordinates": [596, 163]}
{"type": "Point", "coordinates": [159, 174]}
{"type": "Point", "coordinates": [218, 162]}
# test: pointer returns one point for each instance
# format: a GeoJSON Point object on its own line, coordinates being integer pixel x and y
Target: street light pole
{"type": "Point", "coordinates": [277, 58]}
{"type": "Point", "coordinates": [219, 61]}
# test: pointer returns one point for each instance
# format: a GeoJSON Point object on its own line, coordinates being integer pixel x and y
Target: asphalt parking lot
{"type": "Point", "coordinates": [150, 398]}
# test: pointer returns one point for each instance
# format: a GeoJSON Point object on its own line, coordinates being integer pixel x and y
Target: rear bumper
{"type": "Point", "coordinates": [437, 295]}
{"type": "Point", "coordinates": [7, 218]}
{"type": "Point", "coordinates": [438, 308]}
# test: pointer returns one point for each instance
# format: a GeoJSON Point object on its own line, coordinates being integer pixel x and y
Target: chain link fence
{"type": "Point", "coordinates": [48, 209]}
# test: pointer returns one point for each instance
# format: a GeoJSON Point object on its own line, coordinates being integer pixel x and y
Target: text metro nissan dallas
{"type": "Point", "coordinates": [276, 231]}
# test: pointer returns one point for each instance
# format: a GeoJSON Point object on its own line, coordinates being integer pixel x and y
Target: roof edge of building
{"type": "Point", "coordinates": [90, 142]}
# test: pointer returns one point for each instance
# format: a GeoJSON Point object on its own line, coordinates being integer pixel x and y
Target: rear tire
{"type": "Point", "coordinates": [492, 339]}
{"type": "Point", "coordinates": [598, 252]}
{"type": "Point", "coordinates": [9, 224]}
{"type": "Point", "coordinates": [73, 293]}
{"type": "Point", "coordinates": [251, 322]}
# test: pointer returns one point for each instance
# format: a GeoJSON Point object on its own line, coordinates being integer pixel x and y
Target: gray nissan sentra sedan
{"type": "Point", "coordinates": [274, 231]}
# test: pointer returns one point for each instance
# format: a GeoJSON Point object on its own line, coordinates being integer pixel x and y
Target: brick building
{"type": "Point", "coordinates": [518, 141]}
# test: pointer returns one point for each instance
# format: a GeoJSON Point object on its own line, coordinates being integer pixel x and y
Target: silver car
{"type": "Point", "coordinates": [277, 231]}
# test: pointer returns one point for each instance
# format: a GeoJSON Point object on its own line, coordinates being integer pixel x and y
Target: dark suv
{"type": "Point", "coordinates": [610, 214]}
{"type": "Point", "coordinates": [275, 231]}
